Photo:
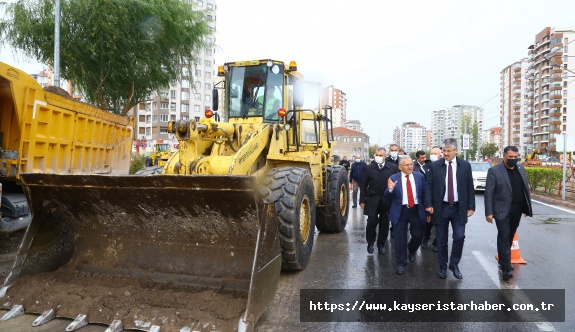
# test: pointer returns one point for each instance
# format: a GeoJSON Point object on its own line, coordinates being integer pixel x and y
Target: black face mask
{"type": "Point", "coordinates": [512, 162]}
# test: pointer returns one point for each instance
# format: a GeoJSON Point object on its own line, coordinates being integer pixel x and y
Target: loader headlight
{"type": "Point", "coordinates": [282, 112]}
{"type": "Point", "coordinates": [287, 127]}
{"type": "Point", "coordinates": [208, 113]}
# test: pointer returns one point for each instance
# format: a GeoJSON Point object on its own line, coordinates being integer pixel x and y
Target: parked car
{"type": "Point", "coordinates": [551, 161]}
{"type": "Point", "coordinates": [479, 172]}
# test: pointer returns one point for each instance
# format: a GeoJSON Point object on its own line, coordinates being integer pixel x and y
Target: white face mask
{"type": "Point", "coordinates": [378, 159]}
{"type": "Point", "coordinates": [433, 157]}
{"type": "Point", "coordinates": [393, 154]}
{"type": "Point", "coordinates": [357, 160]}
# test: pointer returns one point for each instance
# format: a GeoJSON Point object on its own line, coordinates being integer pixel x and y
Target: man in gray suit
{"type": "Point", "coordinates": [507, 185]}
{"type": "Point", "coordinates": [450, 198]}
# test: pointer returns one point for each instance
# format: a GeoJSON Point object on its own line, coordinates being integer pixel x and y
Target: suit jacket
{"type": "Point", "coordinates": [397, 197]}
{"type": "Point", "coordinates": [435, 189]}
{"type": "Point", "coordinates": [498, 189]}
{"type": "Point", "coordinates": [373, 185]}
{"type": "Point", "coordinates": [426, 166]}
{"type": "Point", "coordinates": [391, 161]}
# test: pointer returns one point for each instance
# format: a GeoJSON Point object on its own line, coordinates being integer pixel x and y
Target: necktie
{"type": "Point", "coordinates": [410, 200]}
{"type": "Point", "coordinates": [380, 166]}
{"type": "Point", "coordinates": [450, 196]}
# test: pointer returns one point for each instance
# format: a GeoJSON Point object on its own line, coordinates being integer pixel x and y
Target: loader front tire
{"type": "Point", "coordinates": [291, 191]}
{"type": "Point", "coordinates": [332, 218]}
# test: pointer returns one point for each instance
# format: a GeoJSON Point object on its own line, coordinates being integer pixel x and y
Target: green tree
{"type": "Point", "coordinates": [489, 149]}
{"type": "Point", "coordinates": [372, 149]}
{"type": "Point", "coordinates": [116, 52]}
{"type": "Point", "coordinates": [472, 128]}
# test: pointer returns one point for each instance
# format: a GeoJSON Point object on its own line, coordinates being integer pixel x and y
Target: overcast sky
{"type": "Point", "coordinates": [397, 61]}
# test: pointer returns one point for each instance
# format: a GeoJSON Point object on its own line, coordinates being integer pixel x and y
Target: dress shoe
{"type": "Point", "coordinates": [354, 206]}
{"type": "Point", "coordinates": [456, 272]}
{"type": "Point", "coordinates": [411, 257]}
{"type": "Point", "coordinates": [400, 270]}
{"type": "Point", "coordinates": [381, 250]}
{"type": "Point", "coordinates": [506, 276]}
{"type": "Point", "coordinates": [442, 274]}
{"type": "Point", "coordinates": [370, 248]}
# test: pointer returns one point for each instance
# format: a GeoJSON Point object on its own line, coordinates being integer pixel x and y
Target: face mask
{"type": "Point", "coordinates": [378, 159]}
{"type": "Point", "coordinates": [393, 154]}
{"type": "Point", "coordinates": [512, 162]}
{"type": "Point", "coordinates": [357, 160]}
{"type": "Point", "coordinates": [433, 157]}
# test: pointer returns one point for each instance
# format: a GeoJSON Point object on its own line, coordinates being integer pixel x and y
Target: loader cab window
{"type": "Point", "coordinates": [256, 91]}
{"type": "Point", "coordinates": [309, 132]}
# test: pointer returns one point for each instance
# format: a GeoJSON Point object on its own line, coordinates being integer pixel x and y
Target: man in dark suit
{"type": "Point", "coordinates": [450, 198]}
{"type": "Point", "coordinates": [393, 154]}
{"type": "Point", "coordinates": [372, 202]}
{"type": "Point", "coordinates": [406, 189]}
{"type": "Point", "coordinates": [507, 185]}
{"type": "Point", "coordinates": [422, 165]}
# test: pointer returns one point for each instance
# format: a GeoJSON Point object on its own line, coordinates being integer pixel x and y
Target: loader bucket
{"type": "Point", "coordinates": [165, 250]}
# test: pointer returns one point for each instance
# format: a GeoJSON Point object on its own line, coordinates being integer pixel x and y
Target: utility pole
{"type": "Point", "coordinates": [57, 44]}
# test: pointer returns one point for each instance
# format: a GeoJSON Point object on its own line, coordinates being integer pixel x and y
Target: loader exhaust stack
{"type": "Point", "coordinates": [164, 250]}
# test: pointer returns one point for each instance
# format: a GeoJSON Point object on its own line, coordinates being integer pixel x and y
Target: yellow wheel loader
{"type": "Point", "coordinates": [159, 156]}
{"type": "Point", "coordinates": [201, 245]}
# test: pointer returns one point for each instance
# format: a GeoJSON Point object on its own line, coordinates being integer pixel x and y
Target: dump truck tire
{"type": "Point", "coordinates": [332, 218]}
{"type": "Point", "coordinates": [291, 191]}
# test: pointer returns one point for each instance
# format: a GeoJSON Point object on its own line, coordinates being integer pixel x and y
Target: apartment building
{"type": "Point", "coordinates": [187, 99]}
{"type": "Point", "coordinates": [337, 99]}
{"type": "Point", "coordinates": [449, 123]}
{"type": "Point", "coordinates": [516, 109]}
{"type": "Point", "coordinates": [411, 137]}
{"type": "Point", "coordinates": [550, 76]}
{"type": "Point", "coordinates": [350, 142]}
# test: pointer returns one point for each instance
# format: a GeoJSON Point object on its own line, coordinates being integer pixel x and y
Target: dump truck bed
{"type": "Point", "coordinates": [164, 250]}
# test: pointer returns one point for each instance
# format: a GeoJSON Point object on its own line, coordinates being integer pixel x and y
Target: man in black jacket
{"type": "Point", "coordinates": [393, 154]}
{"type": "Point", "coordinates": [422, 165]}
{"type": "Point", "coordinates": [450, 198]}
{"type": "Point", "coordinates": [372, 202]}
{"type": "Point", "coordinates": [355, 176]}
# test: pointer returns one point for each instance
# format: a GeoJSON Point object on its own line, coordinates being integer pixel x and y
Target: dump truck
{"type": "Point", "coordinates": [48, 132]}
{"type": "Point", "coordinates": [159, 155]}
{"type": "Point", "coordinates": [199, 246]}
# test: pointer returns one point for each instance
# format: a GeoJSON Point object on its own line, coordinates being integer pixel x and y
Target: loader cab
{"type": "Point", "coordinates": [255, 90]}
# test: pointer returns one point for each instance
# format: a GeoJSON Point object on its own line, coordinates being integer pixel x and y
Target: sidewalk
{"type": "Point", "coordinates": [568, 202]}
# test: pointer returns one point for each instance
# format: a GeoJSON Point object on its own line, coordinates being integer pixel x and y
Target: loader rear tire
{"type": "Point", "coordinates": [291, 191]}
{"type": "Point", "coordinates": [332, 218]}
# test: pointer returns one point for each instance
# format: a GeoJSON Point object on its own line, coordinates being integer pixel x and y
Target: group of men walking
{"type": "Point", "coordinates": [418, 194]}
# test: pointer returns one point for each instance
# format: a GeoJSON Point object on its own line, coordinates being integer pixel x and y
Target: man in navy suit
{"type": "Point", "coordinates": [406, 190]}
{"type": "Point", "coordinates": [450, 198]}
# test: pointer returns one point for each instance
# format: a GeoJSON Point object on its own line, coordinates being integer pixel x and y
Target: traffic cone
{"type": "Point", "coordinates": [515, 253]}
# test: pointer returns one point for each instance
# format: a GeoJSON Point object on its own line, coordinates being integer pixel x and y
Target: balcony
{"type": "Point", "coordinates": [557, 114]}
{"type": "Point", "coordinates": [556, 103]}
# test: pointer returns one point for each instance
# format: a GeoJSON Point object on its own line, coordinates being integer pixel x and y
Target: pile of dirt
{"type": "Point", "coordinates": [9, 244]}
{"type": "Point", "coordinates": [139, 303]}
{"type": "Point", "coordinates": [58, 91]}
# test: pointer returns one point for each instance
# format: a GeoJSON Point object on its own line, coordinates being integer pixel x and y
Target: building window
{"type": "Point", "coordinates": [210, 6]}
{"type": "Point", "coordinates": [196, 108]}
{"type": "Point", "coordinates": [208, 98]}
{"type": "Point", "coordinates": [198, 73]}
{"type": "Point", "coordinates": [172, 117]}
{"type": "Point", "coordinates": [185, 84]}
{"type": "Point", "coordinates": [164, 106]}
{"type": "Point", "coordinates": [200, 3]}
{"type": "Point", "coordinates": [208, 75]}
{"type": "Point", "coordinates": [346, 139]}
{"type": "Point", "coordinates": [185, 95]}
{"type": "Point", "coordinates": [208, 86]}
{"type": "Point", "coordinates": [164, 117]}
{"type": "Point", "coordinates": [198, 85]}
{"type": "Point", "coordinates": [197, 118]}
{"type": "Point", "coordinates": [185, 108]}
{"type": "Point", "coordinates": [208, 63]}
{"type": "Point", "coordinates": [359, 139]}
{"type": "Point", "coordinates": [172, 107]}
{"type": "Point", "coordinates": [173, 94]}
{"type": "Point", "coordinates": [208, 51]}
{"type": "Point", "coordinates": [198, 96]}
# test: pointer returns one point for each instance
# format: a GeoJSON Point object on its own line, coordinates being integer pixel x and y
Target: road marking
{"type": "Point", "coordinates": [553, 206]}
{"type": "Point", "coordinates": [494, 276]}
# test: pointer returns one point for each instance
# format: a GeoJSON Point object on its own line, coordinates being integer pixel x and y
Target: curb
{"type": "Point", "coordinates": [554, 201]}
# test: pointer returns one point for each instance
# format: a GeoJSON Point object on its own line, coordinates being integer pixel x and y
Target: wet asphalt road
{"type": "Point", "coordinates": [340, 261]}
